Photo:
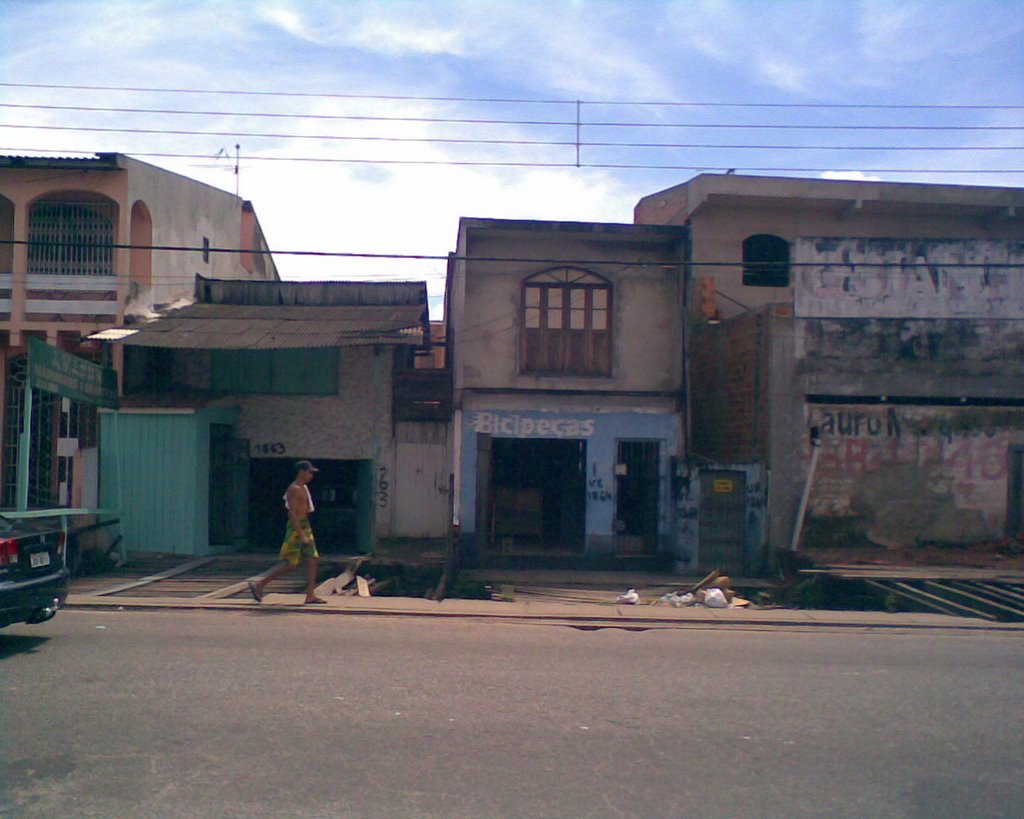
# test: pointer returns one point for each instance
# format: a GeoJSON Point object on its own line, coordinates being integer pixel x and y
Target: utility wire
{"type": "Point", "coordinates": [625, 263]}
{"type": "Point", "coordinates": [498, 121]}
{"type": "Point", "coordinates": [517, 101]}
{"type": "Point", "coordinates": [565, 143]}
{"type": "Point", "coordinates": [533, 164]}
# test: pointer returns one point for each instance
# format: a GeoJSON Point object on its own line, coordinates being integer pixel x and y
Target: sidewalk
{"type": "Point", "coordinates": [580, 615]}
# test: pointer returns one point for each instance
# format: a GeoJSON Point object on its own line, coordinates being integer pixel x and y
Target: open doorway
{"type": "Point", "coordinates": [337, 523]}
{"type": "Point", "coordinates": [537, 495]}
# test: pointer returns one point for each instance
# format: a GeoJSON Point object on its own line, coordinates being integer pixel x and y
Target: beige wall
{"type": "Point", "coordinates": [646, 304]}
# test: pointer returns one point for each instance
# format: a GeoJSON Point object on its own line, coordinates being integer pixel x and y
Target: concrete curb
{"type": "Point", "coordinates": [579, 615]}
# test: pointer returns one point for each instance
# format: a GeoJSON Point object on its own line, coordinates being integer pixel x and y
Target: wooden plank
{"type": "Point", "coordinates": [945, 601]}
{"type": "Point", "coordinates": [336, 585]}
{"type": "Point", "coordinates": [1014, 604]}
{"type": "Point", "coordinates": [976, 599]}
{"type": "Point", "coordinates": [153, 578]}
{"type": "Point", "coordinates": [236, 588]}
{"type": "Point", "coordinates": [1012, 595]}
{"type": "Point", "coordinates": [887, 587]}
{"type": "Point", "coordinates": [363, 586]}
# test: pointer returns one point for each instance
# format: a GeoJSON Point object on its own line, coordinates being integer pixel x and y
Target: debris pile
{"type": "Point", "coordinates": [349, 582]}
{"type": "Point", "coordinates": [713, 592]}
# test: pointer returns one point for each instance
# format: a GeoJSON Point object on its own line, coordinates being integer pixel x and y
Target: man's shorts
{"type": "Point", "coordinates": [293, 549]}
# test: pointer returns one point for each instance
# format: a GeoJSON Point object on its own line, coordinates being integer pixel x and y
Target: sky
{"type": "Point", "coordinates": [370, 127]}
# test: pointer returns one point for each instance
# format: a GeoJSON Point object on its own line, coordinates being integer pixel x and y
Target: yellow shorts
{"type": "Point", "coordinates": [293, 549]}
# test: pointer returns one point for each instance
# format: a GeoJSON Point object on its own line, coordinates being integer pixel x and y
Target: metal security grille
{"type": "Point", "coordinates": [722, 521]}
{"type": "Point", "coordinates": [636, 496]}
{"type": "Point", "coordinates": [71, 238]}
{"type": "Point", "coordinates": [42, 458]}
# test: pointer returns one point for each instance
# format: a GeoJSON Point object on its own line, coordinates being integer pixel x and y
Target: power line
{"type": "Point", "coordinates": [521, 100]}
{"type": "Point", "coordinates": [493, 121]}
{"type": "Point", "coordinates": [626, 263]}
{"type": "Point", "coordinates": [533, 164]}
{"type": "Point", "coordinates": [513, 142]}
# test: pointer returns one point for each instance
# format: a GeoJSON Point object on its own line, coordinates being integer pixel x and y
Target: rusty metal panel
{"type": "Point", "coordinates": [212, 326]}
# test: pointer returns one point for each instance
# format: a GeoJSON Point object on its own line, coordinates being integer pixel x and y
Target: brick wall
{"type": "Point", "coordinates": [728, 388]}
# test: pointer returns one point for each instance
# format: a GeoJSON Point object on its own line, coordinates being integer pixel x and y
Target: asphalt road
{"type": "Point", "coordinates": [218, 714]}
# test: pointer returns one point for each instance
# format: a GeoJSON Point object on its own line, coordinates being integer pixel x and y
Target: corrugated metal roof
{"type": "Point", "coordinates": [249, 327]}
{"type": "Point", "coordinates": [101, 161]}
{"type": "Point", "coordinates": [311, 294]}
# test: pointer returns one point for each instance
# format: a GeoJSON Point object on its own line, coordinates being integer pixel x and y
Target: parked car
{"type": "Point", "coordinates": [33, 578]}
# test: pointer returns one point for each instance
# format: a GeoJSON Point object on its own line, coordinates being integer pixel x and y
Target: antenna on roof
{"type": "Point", "coordinates": [237, 163]}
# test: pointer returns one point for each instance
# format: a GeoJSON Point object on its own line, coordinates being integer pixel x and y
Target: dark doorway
{"type": "Point", "coordinates": [722, 521]}
{"type": "Point", "coordinates": [336, 498]}
{"type": "Point", "coordinates": [538, 495]}
{"type": "Point", "coordinates": [229, 487]}
{"type": "Point", "coordinates": [636, 497]}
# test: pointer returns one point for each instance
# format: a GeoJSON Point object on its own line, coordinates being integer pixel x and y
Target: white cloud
{"type": "Point", "coordinates": [851, 176]}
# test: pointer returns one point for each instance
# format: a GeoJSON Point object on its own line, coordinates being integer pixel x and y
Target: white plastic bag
{"type": "Point", "coordinates": [715, 599]}
{"type": "Point", "coordinates": [630, 598]}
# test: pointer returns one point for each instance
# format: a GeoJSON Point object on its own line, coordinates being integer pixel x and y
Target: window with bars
{"type": "Point", "coordinates": [566, 323]}
{"type": "Point", "coordinates": [71, 238]}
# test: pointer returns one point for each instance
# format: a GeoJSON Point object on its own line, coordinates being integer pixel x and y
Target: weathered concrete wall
{"type": "Point", "coordinates": [355, 424]}
{"type": "Point", "coordinates": [904, 474]}
{"type": "Point", "coordinates": [646, 305]}
{"type": "Point", "coordinates": [893, 278]}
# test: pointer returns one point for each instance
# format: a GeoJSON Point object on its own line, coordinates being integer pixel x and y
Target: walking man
{"type": "Point", "coordinates": [298, 543]}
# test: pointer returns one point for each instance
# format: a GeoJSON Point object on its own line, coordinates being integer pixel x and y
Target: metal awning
{"type": "Point", "coordinates": [278, 327]}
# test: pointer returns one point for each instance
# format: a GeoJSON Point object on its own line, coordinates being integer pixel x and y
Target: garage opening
{"type": "Point", "coordinates": [339, 527]}
{"type": "Point", "coordinates": [538, 495]}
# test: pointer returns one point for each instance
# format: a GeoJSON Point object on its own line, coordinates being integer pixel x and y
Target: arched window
{"type": "Point", "coordinates": [141, 257]}
{"type": "Point", "coordinates": [566, 321]}
{"type": "Point", "coordinates": [765, 261]}
{"type": "Point", "coordinates": [71, 235]}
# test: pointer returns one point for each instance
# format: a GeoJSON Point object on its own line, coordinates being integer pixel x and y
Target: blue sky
{"type": "Point", "coordinates": [393, 119]}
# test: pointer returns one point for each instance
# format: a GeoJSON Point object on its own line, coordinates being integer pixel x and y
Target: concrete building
{"type": "Point", "coordinates": [85, 244]}
{"type": "Point", "coordinates": [564, 341]}
{"type": "Point", "coordinates": [886, 320]}
{"type": "Point", "coordinates": [222, 396]}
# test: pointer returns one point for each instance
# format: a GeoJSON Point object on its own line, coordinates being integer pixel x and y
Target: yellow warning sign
{"type": "Point", "coordinates": [723, 485]}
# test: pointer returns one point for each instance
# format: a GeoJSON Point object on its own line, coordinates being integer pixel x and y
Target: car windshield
{"type": "Point", "coordinates": [6, 524]}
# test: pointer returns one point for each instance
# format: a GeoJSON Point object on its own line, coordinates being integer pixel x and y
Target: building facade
{"type": "Point", "coordinates": [222, 396]}
{"type": "Point", "coordinates": [86, 244]}
{"type": "Point", "coordinates": [564, 340]}
{"type": "Point", "coordinates": [861, 344]}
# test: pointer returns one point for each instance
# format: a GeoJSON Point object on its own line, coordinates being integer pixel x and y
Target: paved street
{"type": "Point", "coordinates": [260, 713]}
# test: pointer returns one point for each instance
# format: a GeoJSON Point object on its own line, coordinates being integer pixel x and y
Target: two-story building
{"type": "Point", "coordinates": [861, 342]}
{"type": "Point", "coordinates": [84, 244]}
{"type": "Point", "coordinates": [564, 340]}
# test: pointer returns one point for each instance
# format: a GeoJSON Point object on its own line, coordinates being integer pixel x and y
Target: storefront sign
{"type": "Point", "coordinates": [521, 426]}
{"type": "Point", "coordinates": [54, 370]}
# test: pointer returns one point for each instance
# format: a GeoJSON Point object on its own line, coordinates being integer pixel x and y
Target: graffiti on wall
{"type": "Point", "coordinates": [857, 441]}
{"type": "Point", "coordinates": [687, 497]}
{"type": "Point", "coordinates": [895, 278]}
{"type": "Point", "coordinates": [915, 473]}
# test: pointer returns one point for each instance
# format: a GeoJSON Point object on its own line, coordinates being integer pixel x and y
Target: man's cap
{"type": "Point", "coordinates": [305, 465]}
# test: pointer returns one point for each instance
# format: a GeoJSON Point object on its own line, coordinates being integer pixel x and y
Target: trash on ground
{"type": "Point", "coordinates": [630, 598]}
{"type": "Point", "coordinates": [713, 592]}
